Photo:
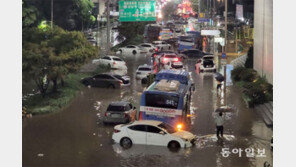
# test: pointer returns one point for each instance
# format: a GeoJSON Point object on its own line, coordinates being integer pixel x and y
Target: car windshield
{"type": "Point", "coordinates": [117, 59]}
{"type": "Point", "coordinates": [170, 56]}
{"type": "Point", "coordinates": [167, 127]}
{"type": "Point", "coordinates": [115, 108]}
{"type": "Point", "coordinates": [144, 69]}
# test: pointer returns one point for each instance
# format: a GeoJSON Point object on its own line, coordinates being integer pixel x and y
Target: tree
{"type": "Point", "coordinates": [194, 4]}
{"type": "Point", "coordinates": [168, 10]}
{"type": "Point", "coordinates": [29, 15]}
{"type": "Point", "coordinates": [53, 53]}
{"type": "Point", "coordinates": [68, 14]}
{"type": "Point", "coordinates": [130, 30]}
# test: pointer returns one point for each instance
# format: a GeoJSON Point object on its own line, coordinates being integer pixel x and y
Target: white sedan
{"type": "Point", "coordinates": [143, 71]}
{"type": "Point", "coordinates": [148, 47]}
{"type": "Point", "coordinates": [131, 49]}
{"type": "Point", "coordinates": [162, 45]}
{"type": "Point", "coordinates": [150, 132]}
{"type": "Point", "coordinates": [207, 64]}
{"type": "Point", "coordinates": [111, 61]}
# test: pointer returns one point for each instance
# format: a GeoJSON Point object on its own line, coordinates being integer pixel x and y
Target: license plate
{"type": "Point", "coordinates": [115, 115]}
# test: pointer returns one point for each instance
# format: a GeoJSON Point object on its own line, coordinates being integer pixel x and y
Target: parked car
{"type": "Point", "coordinates": [162, 45]}
{"type": "Point", "coordinates": [143, 71]}
{"type": "Point", "coordinates": [111, 61]}
{"type": "Point", "coordinates": [148, 47]}
{"type": "Point", "coordinates": [150, 132]}
{"type": "Point", "coordinates": [131, 49]}
{"type": "Point", "coordinates": [207, 64]}
{"type": "Point", "coordinates": [105, 81]}
{"type": "Point", "coordinates": [120, 112]}
{"type": "Point", "coordinates": [194, 53]}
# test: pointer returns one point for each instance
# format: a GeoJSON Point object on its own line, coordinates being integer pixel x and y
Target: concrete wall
{"type": "Point", "coordinates": [263, 38]}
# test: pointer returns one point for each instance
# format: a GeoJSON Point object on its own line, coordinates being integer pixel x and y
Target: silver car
{"type": "Point", "coordinates": [120, 112]}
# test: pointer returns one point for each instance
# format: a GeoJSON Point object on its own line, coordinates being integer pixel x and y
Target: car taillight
{"type": "Point", "coordinates": [156, 49]}
{"type": "Point", "coordinates": [116, 130]}
{"type": "Point", "coordinates": [120, 82]}
{"type": "Point", "coordinates": [106, 114]}
{"type": "Point", "coordinates": [165, 59]}
{"type": "Point", "coordinates": [114, 62]}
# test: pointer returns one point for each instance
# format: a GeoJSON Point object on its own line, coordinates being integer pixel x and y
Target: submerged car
{"type": "Point", "coordinates": [111, 61]}
{"type": "Point", "coordinates": [143, 71]}
{"type": "Point", "coordinates": [207, 64]}
{"type": "Point", "coordinates": [131, 49]}
{"type": "Point", "coordinates": [149, 132]}
{"type": "Point", "coordinates": [120, 112]}
{"type": "Point", "coordinates": [148, 47]}
{"type": "Point", "coordinates": [106, 81]}
{"type": "Point", "coordinates": [162, 45]}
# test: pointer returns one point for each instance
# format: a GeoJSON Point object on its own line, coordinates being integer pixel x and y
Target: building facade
{"type": "Point", "coordinates": [263, 38]}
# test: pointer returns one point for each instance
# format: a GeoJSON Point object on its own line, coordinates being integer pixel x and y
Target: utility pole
{"type": "Point", "coordinates": [51, 14]}
{"type": "Point", "coordinates": [108, 26]}
{"type": "Point", "coordinates": [224, 90]}
{"type": "Point", "coordinates": [225, 38]}
{"type": "Point", "coordinates": [97, 34]}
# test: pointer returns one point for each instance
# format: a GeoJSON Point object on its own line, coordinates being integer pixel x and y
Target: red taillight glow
{"type": "Point", "coordinates": [114, 62]}
{"type": "Point", "coordinates": [116, 130]}
{"type": "Point", "coordinates": [156, 49]}
{"type": "Point", "coordinates": [120, 82]}
{"type": "Point", "coordinates": [105, 114]}
{"type": "Point", "coordinates": [165, 59]}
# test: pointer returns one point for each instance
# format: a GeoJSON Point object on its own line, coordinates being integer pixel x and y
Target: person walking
{"type": "Point", "coordinates": [219, 86]}
{"type": "Point", "coordinates": [219, 119]}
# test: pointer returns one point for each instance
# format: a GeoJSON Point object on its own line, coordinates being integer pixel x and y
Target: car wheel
{"type": "Point", "coordinates": [126, 142]}
{"type": "Point", "coordinates": [111, 86]}
{"type": "Point", "coordinates": [174, 145]}
{"type": "Point", "coordinates": [86, 83]}
{"type": "Point", "coordinates": [134, 52]}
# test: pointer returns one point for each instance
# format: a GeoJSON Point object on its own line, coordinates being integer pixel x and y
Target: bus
{"type": "Point", "coordinates": [185, 43]}
{"type": "Point", "coordinates": [165, 33]}
{"type": "Point", "coordinates": [151, 32]}
{"type": "Point", "coordinates": [168, 98]}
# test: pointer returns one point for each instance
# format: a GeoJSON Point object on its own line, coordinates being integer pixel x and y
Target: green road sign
{"type": "Point", "coordinates": [137, 10]}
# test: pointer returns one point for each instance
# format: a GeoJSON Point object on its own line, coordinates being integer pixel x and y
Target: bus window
{"type": "Point", "coordinates": [162, 101]}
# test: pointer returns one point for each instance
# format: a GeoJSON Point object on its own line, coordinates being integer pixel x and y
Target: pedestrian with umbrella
{"type": "Point", "coordinates": [219, 78]}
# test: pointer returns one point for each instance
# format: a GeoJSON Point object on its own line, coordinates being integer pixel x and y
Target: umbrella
{"type": "Point", "coordinates": [224, 109]}
{"type": "Point", "coordinates": [219, 77]}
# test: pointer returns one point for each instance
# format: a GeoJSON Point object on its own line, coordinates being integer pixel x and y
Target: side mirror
{"type": "Point", "coordinates": [162, 132]}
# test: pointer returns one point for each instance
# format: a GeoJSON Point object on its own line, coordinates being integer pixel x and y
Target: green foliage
{"type": "Point", "coordinates": [129, 30]}
{"type": "Point", "coordinates": [55, 101]}
{"type": "Point", "coordinates": [29, 15]}
{"type": "Point", "coordinates": [68, 14]}
{"type": "Point", "coordinates": [256, 89]}
{"type": "Point", "coordinates": [54, 53]}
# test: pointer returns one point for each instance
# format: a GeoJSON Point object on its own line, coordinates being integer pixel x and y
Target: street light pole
{"type": "Point", "coordinates": [108, 26]}
{"type": "Point", "coordinates": [225, 38]}
{"type": "Point", "coordinates": [51, 14]}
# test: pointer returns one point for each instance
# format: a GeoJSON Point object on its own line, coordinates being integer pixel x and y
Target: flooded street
{"type": "Point", "coordinates": [76, 136]}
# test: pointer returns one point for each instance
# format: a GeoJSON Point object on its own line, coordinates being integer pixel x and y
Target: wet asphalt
{"type": "Point", "coordinates": [76, 135]}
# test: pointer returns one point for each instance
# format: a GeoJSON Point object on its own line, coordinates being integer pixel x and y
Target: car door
{"type": "Point", "coordinates": [98, 80]}
{"type": "Point", "coordinates": [138, 134]}
{"type": "Point", "coordinates": [109, 80]}
{"type": "Point", "coordinates": [156, 136]}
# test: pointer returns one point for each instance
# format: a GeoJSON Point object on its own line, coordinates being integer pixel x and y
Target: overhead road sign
{"type": "Point", "coordinates": [130, 11]}
{"type": "Point", "coordinates": [210, 32]}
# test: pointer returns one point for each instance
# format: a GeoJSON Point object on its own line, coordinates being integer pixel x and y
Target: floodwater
{"type": "Point", "coordinates": [77, 137]}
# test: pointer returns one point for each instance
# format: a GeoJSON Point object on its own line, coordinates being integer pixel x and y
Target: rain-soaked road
{"type": "Point", "coordinates": [77, 137]}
